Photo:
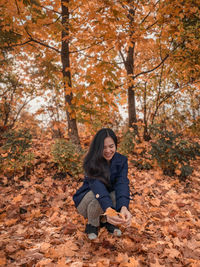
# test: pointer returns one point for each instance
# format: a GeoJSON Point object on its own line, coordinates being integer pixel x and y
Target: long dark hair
{"type": "Point", "coordinates": [95, 165]}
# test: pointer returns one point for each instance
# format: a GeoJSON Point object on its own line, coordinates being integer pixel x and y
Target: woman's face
{"type": "Point", "coordinates": [109, 148]}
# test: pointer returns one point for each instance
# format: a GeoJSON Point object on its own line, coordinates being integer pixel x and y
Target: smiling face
{"type": "Point", "coordinates": [109, 148]}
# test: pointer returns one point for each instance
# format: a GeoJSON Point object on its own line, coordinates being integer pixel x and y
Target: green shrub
{"type": "Point", "coordinates": [127, 144]}
{"type": "Point", "coordinates": [195, 127]}
{"type": "Point", "coordinates": [142, 164]}
{"type": "Point", "coordinates": [68, 157]}
{"type": "Point", "coordinates": [14, 156]}
{"type": "Point", "coordinates": [172, 153]}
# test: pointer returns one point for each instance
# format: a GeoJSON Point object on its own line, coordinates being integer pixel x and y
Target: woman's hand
{"type": "Point", "coordinates": [127, 216]}
{"type": "Point", "coordinates": [115, 220]}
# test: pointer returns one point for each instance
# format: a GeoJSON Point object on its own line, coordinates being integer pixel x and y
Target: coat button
{"type": "Point", "coordinates": [97, 195]}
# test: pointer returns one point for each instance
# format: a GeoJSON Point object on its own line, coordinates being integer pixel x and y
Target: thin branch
{"type": "Point", "coordinates": [83, 49]}
{"type": "Point", "coordinates": [48, 46]}
{"type": "Point", "coordinates": [158, 96]}
{"type": "Point", "coordinates": [172, 93]}
{"type": "Point", "coordinates": [18, 10]}
{"type": "Point", "coordinates": [101, 60]}
{"type": "Point", "coordinates": [79, 51]}
{"type": "Point", "coordinates": [151, 25]}
{"type": "Point", "coordinates": [32, 39]}
{"type": "Point", "coordinates": [143, 20]}
{"type": "Point", "coordinates": [35, 41]}
{"type": "Point", "coordinates": [20, 109]}
{"type": "Point", "coordinates": [109, 50]}
{"type": "Point", "coordinates": [71, 12]}
{"type": "Point", "coordinates": [52, 10]}
{"type": "Point", "coordinates": [8, 111]}
{"type": "Point", "coordinates": [41, 43]}
{"type": "Point", "coordinates": [5, 92]}
{"type": "Point", "coordinates": [52, 22]}
{"type": "Point", "coordinates": [10, 31]}
{"type": "Point", "coordinates": [160, 48]}
{"type": "Point", "coordinates": [167, 96]}
{"type": "Point", "coordinates": [122, 56]}
{"type": "Point", "coordinates": [11, 46]}
{"type": "Point", "coordinates": [156, 67]}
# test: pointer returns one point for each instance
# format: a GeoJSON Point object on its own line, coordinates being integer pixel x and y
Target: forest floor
{"type": "Point", "coordinates": [39, 225]}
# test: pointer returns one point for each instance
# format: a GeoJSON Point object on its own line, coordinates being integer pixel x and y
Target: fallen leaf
{"type": "Point", "coordinates": [132, 263]}
{"type": "Point", "coordinates": [156, 264]}
{"type": "Point", "coordinates": [44, 247]}
{"type": "Point", "coordinates": [17, 199]}
{"type": "Point", "coordinates": [2, 260]}
{"type": "Point", "coordinates": [111, 212]}
{"type": "Point", "coordinates": [43, 263]}
{"type": "Point", "coordinates": [76, 264]}
{"type": "Point", "coordinates": [174, 253]}
{"type": "Point", "coordinates": [11, 222]}
{"type": "Point", "coordinates": [69, 228]}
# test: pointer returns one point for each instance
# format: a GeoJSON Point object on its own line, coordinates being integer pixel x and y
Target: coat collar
{"type": "Point", "coordinates": [114, 159]}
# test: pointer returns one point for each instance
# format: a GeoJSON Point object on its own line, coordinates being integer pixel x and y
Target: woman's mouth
{"type": "Point", "coordinates": [108, 155]}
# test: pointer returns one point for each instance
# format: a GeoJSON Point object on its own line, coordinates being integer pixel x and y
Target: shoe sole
{"type": "Point", "coordinates": [92, 236]}
{"type": "Point", "coordinates": [117, 232]}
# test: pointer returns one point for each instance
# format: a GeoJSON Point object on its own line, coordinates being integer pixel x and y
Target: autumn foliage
{"type": "Point", "coordinates": [128, 65]}
{"type": "Point", "coordinates": [40, 226]}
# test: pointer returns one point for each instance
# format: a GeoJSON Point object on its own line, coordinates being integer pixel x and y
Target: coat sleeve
{"type": "Point", "coordinates": [121, 186]}
{"type": "Point", "coordinates": [101, 193]}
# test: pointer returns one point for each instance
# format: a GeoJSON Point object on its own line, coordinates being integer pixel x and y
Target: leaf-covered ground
{"type": "Point", "coordinates": [39, 224]}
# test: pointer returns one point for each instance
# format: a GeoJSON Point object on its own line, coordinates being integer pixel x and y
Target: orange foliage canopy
{"type": "Point", "coordinates": [101, 35]}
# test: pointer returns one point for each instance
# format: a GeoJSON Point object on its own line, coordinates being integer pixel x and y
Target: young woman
{"type": "Point", "coordinates": [105, 185]}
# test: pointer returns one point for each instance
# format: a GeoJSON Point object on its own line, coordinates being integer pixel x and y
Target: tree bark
{"type": "Point", "coordinates": [132, 119]}
{"type": "Point", "coordinates": [65, 58]}
{"type": "Point", "coordinates": [131, 92]}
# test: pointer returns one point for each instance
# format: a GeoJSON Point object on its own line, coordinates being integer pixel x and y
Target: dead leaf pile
{"type": "Point", "coordinates": [39, 224]}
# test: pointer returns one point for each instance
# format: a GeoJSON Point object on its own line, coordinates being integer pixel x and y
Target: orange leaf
{"type": "Point", "coordinates": [111, 212]}
{"type": "Point", "coordinates": [17, 198]}
{"type": "Point", "coordinates": [11, 222]}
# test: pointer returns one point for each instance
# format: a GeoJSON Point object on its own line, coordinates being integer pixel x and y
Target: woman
{"type": "Point", "coordinates": [105, 185]}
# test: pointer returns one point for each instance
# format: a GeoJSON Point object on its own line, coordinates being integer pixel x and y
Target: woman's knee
{"type": "Point", "coordinates": [94, 207]}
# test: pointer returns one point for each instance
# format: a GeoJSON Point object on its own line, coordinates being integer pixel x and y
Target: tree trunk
{"type": "Point", "coordinates": [131, 93]}
{"type": "Point", "coordinates": [71, 117]}
{"type": "Point", "coordinates": [132, 119]}
{"type": "Point", "coordinates": [146, 134]}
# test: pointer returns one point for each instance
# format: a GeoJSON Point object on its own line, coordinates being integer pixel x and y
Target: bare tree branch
{"type": "Point", "coordinates": [83, 49]}
{"type": "Point", "coordinates": [52, 10]}
{"type": "Point", "coordinates": [151, 25]}
{"type": "Point", "coordinates": [46, 45]}
{"type": "Point", "coordinates": [20, 109]}
{"type": "Point", "coordinates": [14, 45]}
{"type": "Point", "coordinates": [100, 60]}
{"type": "Point", "coordinates": [18, 10]}
{"type": "Point", "coordinates": [158, 96]}
{"type": "Point", "coordinates": [143, 20]}
{"type": "Point", "coordinates": [122, 56]}
{"type": "Point", "coordinates": [156, 67]}
{"type": "Point", "coordinates": [53, 21]}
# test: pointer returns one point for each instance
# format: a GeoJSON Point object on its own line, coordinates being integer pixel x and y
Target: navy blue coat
{"type": "Point", "coordinates": [118, 183]}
